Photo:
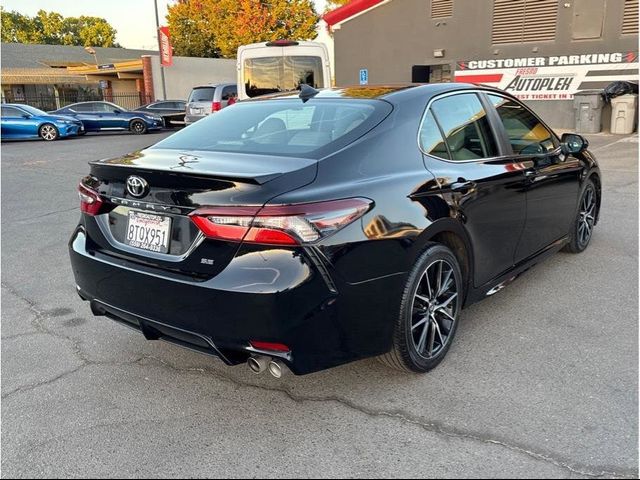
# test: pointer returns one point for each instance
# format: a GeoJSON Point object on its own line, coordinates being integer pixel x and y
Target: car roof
{"type": "Point", "coordinates": [393, 93]}
{"type": "Point", "coordinates": [210, 85]}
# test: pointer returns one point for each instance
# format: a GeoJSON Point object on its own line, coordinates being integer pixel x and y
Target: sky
{"type": "Point", "coordinates": [133, 19]}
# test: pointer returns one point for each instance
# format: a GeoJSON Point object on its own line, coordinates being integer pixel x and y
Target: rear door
{"type": "Point", "coordinates": [553, 178]}
{"type": "Point", "coordinates": [200, 101]}
{"type": "Point", "coordinates": [485, 186]}
{"type": "Point", "coordinates": [86, 113]}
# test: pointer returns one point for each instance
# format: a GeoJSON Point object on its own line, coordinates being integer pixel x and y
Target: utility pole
{"type": "Point", "coordinates": [164, 86]}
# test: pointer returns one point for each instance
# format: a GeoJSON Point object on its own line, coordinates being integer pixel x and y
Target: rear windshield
{"type": "Point", "coordinates": [202, 94]}
{"type": "Point", "coordinates": [281, 74]}
{"type": "Point", "coordinates": [281, 127]}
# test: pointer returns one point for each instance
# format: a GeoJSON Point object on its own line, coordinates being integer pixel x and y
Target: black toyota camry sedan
{"type": "Point", "coordinates": [310, 230]}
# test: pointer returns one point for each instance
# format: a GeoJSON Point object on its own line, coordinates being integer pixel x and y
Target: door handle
{"type": "Point", "coordinates": [462, 185]}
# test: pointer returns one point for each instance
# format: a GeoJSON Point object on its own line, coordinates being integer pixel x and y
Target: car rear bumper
{"type": "Point", "coordinates": [324, 324]}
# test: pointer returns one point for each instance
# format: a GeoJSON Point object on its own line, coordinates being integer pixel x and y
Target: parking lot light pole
{"type": "Point", "coordinates": [164, 87]}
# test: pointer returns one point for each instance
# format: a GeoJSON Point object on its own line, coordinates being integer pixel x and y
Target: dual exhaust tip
{"type": "Point", "coordinates": [259, 364]}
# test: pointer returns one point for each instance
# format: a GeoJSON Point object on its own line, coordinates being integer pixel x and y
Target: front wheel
{"type": "Point", "coordinates": [138, 127]}
{"type": "Point", "coordinates": [429, 311]}
{"type": "Point", "coordinates": [48, 132]}
{"type": "Point", "coordinates": [582, 228]}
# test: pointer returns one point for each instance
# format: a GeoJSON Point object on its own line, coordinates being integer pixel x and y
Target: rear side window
{"type": "Point", "coordinates": [83, 107]}
{"type": "Point", "coordinates": [431, 140]}
{"type": "Point", "coordinates": [282, 127]}
{"type": "Point", "coordinates": [229, 91]}
{"type": "Point", "coordinates": [203, 94]}
{"type": "Point", "coordinates": [527, 135]}
{"type": "Point", "coordinates": [466, 128]}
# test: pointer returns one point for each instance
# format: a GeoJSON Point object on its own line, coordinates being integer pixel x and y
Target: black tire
{"type": "Point", "coordinates": [48, 132]}
{"type": "Point", "coordinates": [582, 227]}
{"type": "Point", "coordinates": [138, 127]}
{"type": "Point", "coordinates": [406, 354]}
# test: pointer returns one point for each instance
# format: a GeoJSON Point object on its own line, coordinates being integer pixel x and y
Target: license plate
{"type": "Point", "coordinates": [196, 111]}
{"type": "Point", "coordinates": [149, 232]}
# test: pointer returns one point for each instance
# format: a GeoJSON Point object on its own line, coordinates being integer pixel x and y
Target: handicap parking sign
{"type": "Point", "coordinates": [364, 76]}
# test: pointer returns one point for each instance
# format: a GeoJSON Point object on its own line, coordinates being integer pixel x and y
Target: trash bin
{"type": "Point", "coordinates": [588, 109]}
{"type": "Point", "coordinates": [623, 114]}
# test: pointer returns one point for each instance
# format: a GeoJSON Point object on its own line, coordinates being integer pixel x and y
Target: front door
{"type": "Point", "coordinates": [552, 178]}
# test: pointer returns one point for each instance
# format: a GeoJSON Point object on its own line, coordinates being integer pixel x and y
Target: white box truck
{"type": "Point", "coordinates": [281, 66]}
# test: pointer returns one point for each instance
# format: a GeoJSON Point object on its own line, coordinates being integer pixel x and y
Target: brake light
{"type": "Point", "coordinates": [283, 43]}
{"type": "Point", "coordinates": [279, 224]}
{"type": "Point", "coordinates": [90, 201]}
{"type": "Point", "coordinates": [216, 106]}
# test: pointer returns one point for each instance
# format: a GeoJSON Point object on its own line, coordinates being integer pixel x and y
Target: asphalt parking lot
{"type": "Point", "coordinates": [541, 381]}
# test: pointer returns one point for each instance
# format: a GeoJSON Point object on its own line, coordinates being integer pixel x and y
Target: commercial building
{"type": "Point", "coordinates": [543, 51]}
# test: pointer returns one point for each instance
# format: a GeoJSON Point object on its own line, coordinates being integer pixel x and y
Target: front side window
{"type": "Point", "coordinates": [527, 135]}
{"type": "Point", "coordinates": [281, 127]}
{"type": "Point", "coordinates": [11, 112]}
{"type": "Point", "coordinates": [281, 74]}
{"type": "Point", "coordinates": [466, 128]}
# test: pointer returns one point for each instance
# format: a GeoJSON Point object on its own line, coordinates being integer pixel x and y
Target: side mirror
{"type": "Point", "coordinates": [26, 115]}
{"type": "Point", "coordinates": [572, 143]}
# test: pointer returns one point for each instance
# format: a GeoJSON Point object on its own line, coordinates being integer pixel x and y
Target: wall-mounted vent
{"type": "Point", "coordinates": [441, 9]}
{"type": "Point", "coordinates": [630, 20]}
{"type": "Point", "coordinates": [518, 21]}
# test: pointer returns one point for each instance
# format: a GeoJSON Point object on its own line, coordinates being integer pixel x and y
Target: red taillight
{"type": "Point", "coordinates": [90, 201]}
{"type": "Point", "coordinates": [279, 224]}
{"type": "Point", "coordinates": [273, 347]}
{"type": "Point", "coordinates": [216, 106]}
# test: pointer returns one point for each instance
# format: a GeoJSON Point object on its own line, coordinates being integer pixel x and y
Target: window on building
{"type": "Point", "coordinates": [527, 135]}
{"type": "Point", "coordinates": [518, 21]}
{"type": "Point", "coordinates": [441, 9]}
{"type": "Point", "coordinates": [465, 126]}
{"type": "Point", "coordinates": [630, 19]}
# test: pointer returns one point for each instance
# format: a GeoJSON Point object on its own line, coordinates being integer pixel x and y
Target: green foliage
{"type": "Point", "coordinates": [51, 28]}
{"type": "Point", "coordinates": [216, 28]}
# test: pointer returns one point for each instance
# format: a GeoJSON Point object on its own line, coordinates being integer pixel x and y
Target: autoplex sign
{"type": "Point", "coordinates": [550, 78]}
{"type": "Point", "coordinates": [166, 52]}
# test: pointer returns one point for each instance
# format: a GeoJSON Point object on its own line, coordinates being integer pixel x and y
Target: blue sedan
{"type": "Point", "coordinates": [101, 116]}
{"type": "Point", "coordinates": [24, 121]}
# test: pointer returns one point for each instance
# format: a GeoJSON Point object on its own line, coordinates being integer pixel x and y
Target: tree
{"type": "Point", "coordinates": [51, 28]}
{"type": "Point", "coordinates": [333, 4]}
{"type": "Point", "coordinates": [210, 28]}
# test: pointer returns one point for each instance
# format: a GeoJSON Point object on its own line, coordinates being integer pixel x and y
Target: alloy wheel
{"type": "Point", "coordinates": [48, 132]}
{"type": "Point", "coordinates": [434, 309]}
{"type": "Point", "coordinates": [138, 127]}
{"type": "Point", "coordinates": [586, 217]}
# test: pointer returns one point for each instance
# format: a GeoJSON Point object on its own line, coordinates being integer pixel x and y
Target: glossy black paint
{"type": "Point", "coordinates": [334, 301]}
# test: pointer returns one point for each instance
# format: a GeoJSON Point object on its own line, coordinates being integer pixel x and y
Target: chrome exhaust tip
{"type": "Point", "coordinates": [276, 368]}
{"type": "Point", "coordinates": [258, 364]}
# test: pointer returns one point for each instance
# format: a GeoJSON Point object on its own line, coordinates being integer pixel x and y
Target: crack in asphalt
{"type": "Point", "coordinates": [400, 415]}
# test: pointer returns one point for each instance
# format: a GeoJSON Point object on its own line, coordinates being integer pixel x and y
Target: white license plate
{"type": "Point", "coordinates": [149, 232]}
{"type": "Point", "coordinates": [196, 111]}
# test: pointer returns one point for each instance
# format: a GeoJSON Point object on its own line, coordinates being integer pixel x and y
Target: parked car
{"type": "Point", "coordinates": [207, 99]}
{"type": "Point", "coordinates": [25, 121]}
{"type": "Point", "coordinates": [103, 116]}
{"type": "Point", "coordinates": [171, 111]}
{"type": "Point", "coordinates": [314, 230]}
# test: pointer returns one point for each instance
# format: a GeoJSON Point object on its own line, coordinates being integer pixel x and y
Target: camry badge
{"type": "Point", "coordinates": [137, 186]}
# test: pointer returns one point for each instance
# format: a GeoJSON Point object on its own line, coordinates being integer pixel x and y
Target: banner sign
{"type": "Point", "coordinates": [166, 52]}
{"type": "Point", "coordinates": [552, 77]}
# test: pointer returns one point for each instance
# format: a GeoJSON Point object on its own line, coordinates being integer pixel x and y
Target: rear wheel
{"type": "Point", "coordinates": [138, 127]}
{"type": "Point", "coordinates": [48, 132]}
{"type": "Point", "coordinates": [582, 228]}
{"type": "Point", "coordinates": [429, 312]}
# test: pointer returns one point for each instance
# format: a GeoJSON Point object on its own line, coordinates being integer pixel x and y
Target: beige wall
{"type": "Point", "coordinates": [187, 72]}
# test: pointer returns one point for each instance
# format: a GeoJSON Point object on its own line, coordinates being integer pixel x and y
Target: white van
{"type": "Point", "coordinates": [281, 66]}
